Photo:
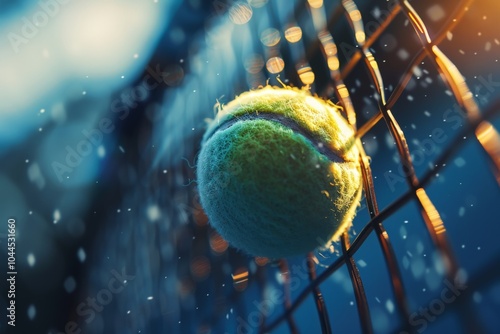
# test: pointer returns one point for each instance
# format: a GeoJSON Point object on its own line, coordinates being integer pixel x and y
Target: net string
{"type": "Point", "coordinates": [485, 133]}
{"type": "Point", "coordinates": [452, 149]}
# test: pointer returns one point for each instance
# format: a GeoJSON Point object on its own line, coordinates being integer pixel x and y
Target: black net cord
{"type": "Point", "coordinates": [324, 319]}
{"type": "Point", "coordinates": [485, 133]}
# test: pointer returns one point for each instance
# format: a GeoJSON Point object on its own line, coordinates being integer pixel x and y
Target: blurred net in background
{"type": "Point", "coordinates": [403, 266]}
{"type": "Point", "coordinates": [423, 252]}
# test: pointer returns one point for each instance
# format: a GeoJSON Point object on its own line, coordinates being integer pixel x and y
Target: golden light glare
{"type": "Point", "coordinates": [360, 37]}
{"type": "Point", "coordinates": [240, 13]}
{"type": "Point", "coordinates": [433, 214]}
{"type": "Point", "coordinates": [270, 37]}
{"type": "Point", "coordinates": [315, 3]}
{"type": "Point", "coordinates": [355, 15]}
{"type": "Point", "coordinates": [240, 278]}
{"type": "Point", "coordinates": [306, 75]}
{"type": "Point", "coordinates": [275, 65]}
{"type": "Point", "coordinates": [343, 92]}
{"type": "Point", "coordinates": [333, 63]}
{"type": "Point", "coordinates": [293, 34]}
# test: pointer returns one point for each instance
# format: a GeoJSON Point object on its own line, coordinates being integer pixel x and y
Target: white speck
{"type": "Point", "coordinates": [461, 211]}
{"type": "Point", "coordinates": [351, 303]}
{"type": "Point", "coordinates": [165, 171]}
{"type": "Point", "coordinates": [129, 209]}
{"type": "Point", "coordinates": [389, 305]}
{"type": "Point", "coordinates": [84, 93]}
{"type": "Point", "coordinates": [420, 247]}
{"type": "Point", "coordinates": [56, 215]}
{"type": "Point", "coordinates": [477, 297]}
{"type": "Point", "coordinates": [153, 212]}
{"type": "Point", "coordinates": [362, 263]}
{"type": "Point", "coordinates": [42, 111]}
{"type": "Point", "coordinates": [118, 210]}
{"type": "Point", "coordinates": [479, 248]}
{"type": "Point", "coordinates": [378, 300]}
{"type": "Point", "coordinates": [123, 77]}
{"type": "Point", "coordinates": [417, 267]}
{"type": "Point", "coordinates": [436, 12]}
{"type": "Point", "coordinates": [459, 162]}
{"type": "Point", "coordinates": [101, 151]}
{"type": "Point", "coordinates": [402, 232]}
{"type": "Point", "coordinates": [449, 35]}
{"type": "Point", "coordinates": [121, 149]}
{"type": "Point", "coordinates": [427, 113]}
{"type": "Point", "coordinates": [31, 259]}
{"type": "Point", "coordinates": [403, 54]}
{"type": "Point", "coordinates": [31, 312]}
{"type": "Point", "coordinates": [69, 284]}
{"type": "Point", "coordinates": [81, 254]}
{"type": "Point", "coordinates": [27, 160]}
{"type": "Point", "coordinates": [463, 246]}
{"type": "Point", "coordinates": [40, 129]}
{"type": "Point", "coordinates": [128, 312]}
{"type": "Point", "coordinates": [150, 298]}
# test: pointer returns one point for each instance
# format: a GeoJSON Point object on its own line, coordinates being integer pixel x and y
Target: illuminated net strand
{"type": "Point", "coordinates": [485, 133]}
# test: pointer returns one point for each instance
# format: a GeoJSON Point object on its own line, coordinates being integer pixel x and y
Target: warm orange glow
{"type": "Point", "coordinates": [306, 75]}
{"type": "Point", "coordinates": [261, 261]}
{"type": "Point", "coordinates": [293, 34]}
{"type": "Point", "coordinates": [343, 92]}
{"type": "Point", "coordinates": [218, 244]}
{"type": "Point", "coordinates": [416, 22]}
{"type": "Point", "coordinates": [355, 15]}
{"type": "Point", "coordinates": [430, 209]}
{"type": "Point", "coordinates": [240, 279]}
{"type": "Point", "coordinates": [315, 3]}
{"type": "Point", "coordinates": [275, 65]}
{"type": "Point", "coordinates": [490, 139]}
{"type": "Point", "coordinates": [456, 82]}
{"type": "Point", "coordinates": [360, 37]}
{"type": "Point", "coordinates": [333, 63]}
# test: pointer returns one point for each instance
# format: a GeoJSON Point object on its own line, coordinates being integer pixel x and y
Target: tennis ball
{"type": "Point", "coordinates": [278, 172]}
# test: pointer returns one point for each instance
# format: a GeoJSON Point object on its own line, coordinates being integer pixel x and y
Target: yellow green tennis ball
{"type": "Point", "coordinates": [278, 172]}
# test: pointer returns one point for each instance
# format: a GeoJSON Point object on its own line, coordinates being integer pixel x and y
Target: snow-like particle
{"type": "Point", "coordinates": [69, 284]}
{"type": "Point", "coordinates": [31, 259]}
{"type": "Point", "coordinates": [389, 305]}
{"type": "Point", "coordinates": [81, 254]}
{"type": "Point", "coordinates": [31, 312]}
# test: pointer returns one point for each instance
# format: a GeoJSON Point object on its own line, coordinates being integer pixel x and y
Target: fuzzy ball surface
{"type": "Point", "coordinates": [278, 172]}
